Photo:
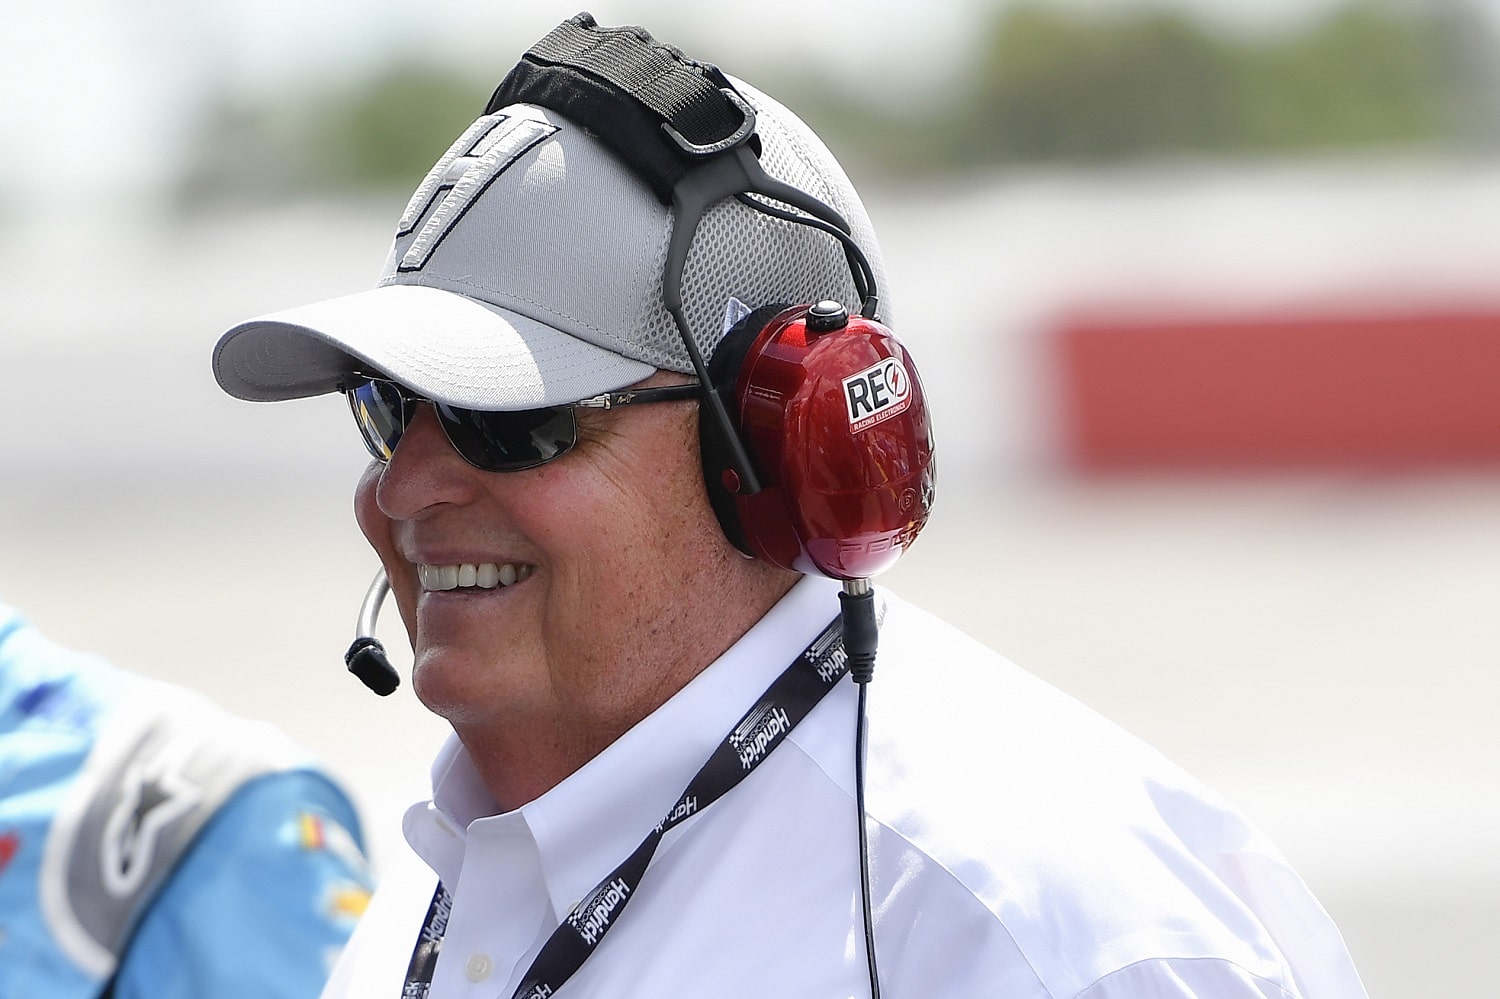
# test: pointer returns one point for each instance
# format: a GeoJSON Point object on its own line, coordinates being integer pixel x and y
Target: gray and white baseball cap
{"type": "Point", "coordinates": [527, 271]}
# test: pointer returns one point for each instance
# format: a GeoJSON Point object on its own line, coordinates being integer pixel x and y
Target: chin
{"type": "Point", "coordinates": [463, 689]}
{"type": "Point", "coordinates": [449, 685]}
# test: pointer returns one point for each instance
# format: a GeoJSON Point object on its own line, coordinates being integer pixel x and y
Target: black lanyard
{"type": "Point", "coordinates": [786, 702]}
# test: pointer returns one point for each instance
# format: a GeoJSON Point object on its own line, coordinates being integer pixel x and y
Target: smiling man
{"type": "Point", "coordinates": [641, 435]}
{"type": "Point", "coordinates": [591, 633]}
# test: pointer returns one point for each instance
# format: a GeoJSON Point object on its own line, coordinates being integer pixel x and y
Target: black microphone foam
{"type": "Point", "coordinates": [366, 659]}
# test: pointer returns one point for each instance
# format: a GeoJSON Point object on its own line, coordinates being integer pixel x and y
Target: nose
{"type": "Point", "coordinates": [424, 472]}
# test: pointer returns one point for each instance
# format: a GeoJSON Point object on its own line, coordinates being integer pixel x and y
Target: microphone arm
{"type": "Point", "coordinates": [366, 658]}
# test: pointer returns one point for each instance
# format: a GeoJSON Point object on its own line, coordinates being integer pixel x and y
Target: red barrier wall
{"type": "Point", "coordinates": [1385, 391]}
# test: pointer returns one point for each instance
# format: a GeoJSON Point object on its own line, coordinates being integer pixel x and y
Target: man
{"type": "Point", "coordinates": [151, 845]}
{"type": "Point", "coordinates": [639, 798]}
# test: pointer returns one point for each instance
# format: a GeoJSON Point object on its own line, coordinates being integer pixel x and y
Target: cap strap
{"type": "Point", "coordinates": [653, 106]}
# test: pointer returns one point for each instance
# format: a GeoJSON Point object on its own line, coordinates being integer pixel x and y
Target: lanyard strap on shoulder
{"type": "Point", "coordinates": [789, 699]}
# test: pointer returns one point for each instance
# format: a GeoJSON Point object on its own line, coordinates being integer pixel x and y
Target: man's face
{"type": "Point", "coordinates": [624, 584]}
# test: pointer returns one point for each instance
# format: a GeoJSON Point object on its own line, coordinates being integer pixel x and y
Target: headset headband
{"type": "Point", "coordinates": [658, 110]}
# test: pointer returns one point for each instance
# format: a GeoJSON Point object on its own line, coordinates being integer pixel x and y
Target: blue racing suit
{"type": "Point", "coordinates": [153, 844]}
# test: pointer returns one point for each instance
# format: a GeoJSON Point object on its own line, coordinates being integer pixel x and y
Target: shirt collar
{"type": "Point", "coordinates": [592, 821]}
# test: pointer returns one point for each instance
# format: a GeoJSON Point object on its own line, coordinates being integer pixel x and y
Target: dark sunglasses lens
{"type": "Point", "coordinates": [509, 441]}
{"type": "Point", "coordinates": [382, 415]}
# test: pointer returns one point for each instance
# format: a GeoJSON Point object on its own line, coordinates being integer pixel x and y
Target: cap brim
{"type": "Point", "coordinates": [442, 345]}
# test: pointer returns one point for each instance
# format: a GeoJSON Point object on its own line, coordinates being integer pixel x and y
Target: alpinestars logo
{"type": "Point", "coordinates": [152, 801]}
{"type": "Point", "coordinates": [876, 394]}
{"type": "Point", "coordinates": [592, 917]}
{"type": "Point", "coordinates": [759, 733]}
{"type": "Point", "coordinates": [485, 151]}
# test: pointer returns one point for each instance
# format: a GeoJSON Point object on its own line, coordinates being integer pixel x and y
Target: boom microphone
{"type": "Point", "coordinates": [366, 658]}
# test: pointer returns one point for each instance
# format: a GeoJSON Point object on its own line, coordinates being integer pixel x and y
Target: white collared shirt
{"type": "Point", "coordinates": [1021, 846]}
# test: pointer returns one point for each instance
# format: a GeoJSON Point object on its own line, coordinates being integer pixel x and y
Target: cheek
{"type": "Point", "coordinates": [377, 528]}
{"type": "Point", "coordinates": [623, 505]}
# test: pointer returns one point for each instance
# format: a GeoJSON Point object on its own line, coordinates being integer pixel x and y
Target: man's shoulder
{"type": "Point", "coordinates": [1030, 817]}
{"type": "Point", "coordinates": [972, 705]}
{"type": "Point", "coordinates": [1014, 787]}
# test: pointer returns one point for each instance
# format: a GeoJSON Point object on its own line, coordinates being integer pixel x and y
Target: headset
{"type": "Point", "coordinates": [817, 446]}
{"type": "Point", "coordinates": [816, 442]}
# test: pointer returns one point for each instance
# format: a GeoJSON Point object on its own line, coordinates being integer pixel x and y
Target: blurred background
{"type": "Point", "coordinates": [1203, 292]}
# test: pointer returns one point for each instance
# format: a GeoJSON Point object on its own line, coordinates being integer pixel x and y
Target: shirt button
{"type": "Point", "coordinates": [479, 967]}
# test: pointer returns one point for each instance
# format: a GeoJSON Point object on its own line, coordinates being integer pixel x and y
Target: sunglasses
{"type": "Point", "coordinates": [490, 440]}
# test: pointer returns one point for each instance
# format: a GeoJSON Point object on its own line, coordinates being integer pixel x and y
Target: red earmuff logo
{"type": "Point", "coordinates": [876, 394]}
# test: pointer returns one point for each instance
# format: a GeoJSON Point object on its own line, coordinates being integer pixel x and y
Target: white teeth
{"type": "Point", "coordinates": [484, 575]}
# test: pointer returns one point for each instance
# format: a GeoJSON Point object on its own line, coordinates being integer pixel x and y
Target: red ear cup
{"type": "Point", "coordinates": [834, 416]}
